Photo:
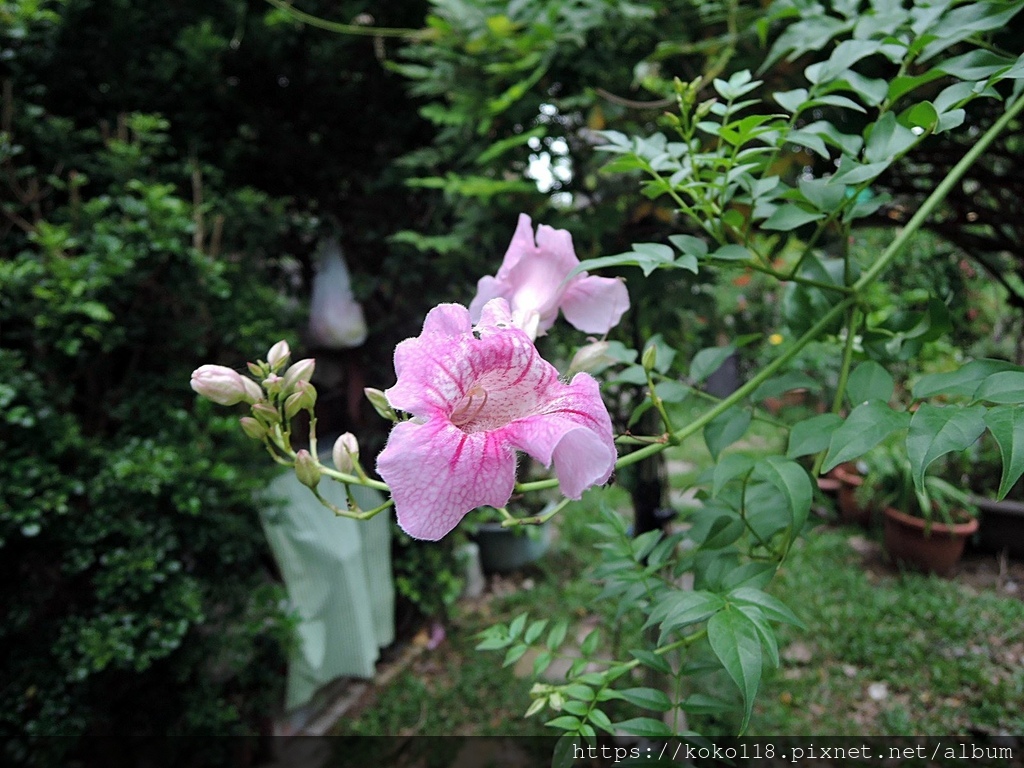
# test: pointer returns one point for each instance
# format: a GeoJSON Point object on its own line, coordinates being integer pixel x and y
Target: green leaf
{"type": "Point", "coordinates": [564, 754]}
{"type": "Point", "coordinates": [590, 643]}
{"type": "Point", "coordinates": [773, 608]}
{"type": "Point", "coordinates": [735, 641]}
{"type": "Point", "coordinates": [647, 256]}
{"type": "Point", "coordinates": [936, 431]}
{"type": "Point", "coordinates": [557, 635]}
{"type": "Point", "coordinates": [789, 217]}
{"type": "Point", "coordinates": [709, 360]}
{"type": "Point", "coordinates": [765, 633]}
{"type": "Point", "coordinates": [516, 627]}
{"type": "Point", "coordinates": [728, 468]}
{"type": "Point", "coordinates": [1006, 423]}
{"type": "Point", "coordinates": [907, 83]}
{"type": "Point", "coordinates": [1004, 388]}
{"type": "Point", "coordinates": [731, 253]}
{"type": "Point", "coordinates": [578, 691]}
{"type": "Point", "coordinates": [690, 245]}
{"type": "Point", "coordinates": [867, 425]}
{"type": "Point", "coordinates": [869, 381]}
{"type": "Point", "coordinates": [565, 723]}
{"type": "Point", "coordinates": [601, 720]}
{"type": "Point", "coordinates": [726, 429]}
{"type": "Point", "coordinates": [823, 194]}
{"type": "Point", "coordinates": [646, 698]}
{"type": "Point", "coordinates": [812, 435]}
{"type": "Point", "coordinates": [498, 148]}
{"type": "Point", "coordinates": [652, 660]}
{"type": "Point", "coordinates": [963, 381]}
{"type": "Point", "coordinates": [792, 101]}
{"type": "Point", "coordinates": [683, 608]}
{"type": "Point", "coordinates": [703, 704]}
{"type": "Point", "coordinates": [672, 391]}
{"type": "Point", "coordinates": [786, 382]}
{"type": "Point", "coordinates": [888, 139]}
{"type": "Point", "coordinates": [514, 654]}
{"type": "Point", "coordinates": [534, 630]}
{"type": "Point", "coordinates": [644, 543]}
{"type": "Point", "coordinates": [793, 482]}
{"type": "Point", "coordinates": [645, 726]}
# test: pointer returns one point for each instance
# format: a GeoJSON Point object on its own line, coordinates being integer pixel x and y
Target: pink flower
{"type": "Point", "coordinates": [478, 395]}
{"type": "Point", "coordinates": [532, 280]}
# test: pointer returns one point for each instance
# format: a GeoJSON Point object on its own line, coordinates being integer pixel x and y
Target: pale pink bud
{"type": "Point", "coordinates": [273, 383]}
{"type": "Point", "coordinates": [345, 452]}
{"type": "Point", "coordinates": [220, 384]}
{"type": "Point", "coordinates": [306, 469]}
{"type": "Point", "coordinates": [300, 371]}
{"type": "Point", "coordinates": [278, 355]}
{"type": "Point", "coordinates": [253, 392]}
{"type": "Point", "coordinates": [591, 358]}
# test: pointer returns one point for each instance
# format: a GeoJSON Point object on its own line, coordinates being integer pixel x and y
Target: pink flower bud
{"type": "Point", "coordinates": [300, 371]}
{"type": "Point", "coordinates": [253, 392]}
{"type": "Point", "coordinates": [306, 469]}
{"type": "Point", "coordinates": [220, 384]}
{"type": "Point", "coordinates": [278, 355]}
{"type": "Point", "coordinates": [345, 452]}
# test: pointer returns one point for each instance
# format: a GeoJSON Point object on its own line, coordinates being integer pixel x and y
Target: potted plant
{"type": "Point", "coordinates": [925, 528]}
{"type": "Point", "coordinates": [849, 477]}
{"type": "Point", "coordinates": [1000, 521]}
{"type": "Point", "coordinates": [504, 549]}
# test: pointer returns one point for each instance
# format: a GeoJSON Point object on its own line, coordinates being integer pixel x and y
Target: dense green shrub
{"type": "Point", "coordinates": [138, 605]}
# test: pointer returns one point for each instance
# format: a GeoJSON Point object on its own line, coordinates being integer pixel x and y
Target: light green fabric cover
{"type": "Point", "coordinates": [338, 575]}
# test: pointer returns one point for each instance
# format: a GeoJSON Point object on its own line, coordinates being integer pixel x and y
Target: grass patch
{"type": "Point", "coordinates": [890, 654]}
{"type": "Point", "coordinates": [882, 653]}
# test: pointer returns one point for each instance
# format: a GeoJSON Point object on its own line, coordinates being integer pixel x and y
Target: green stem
{"type": "Point", "coordinates": [793, 277]}
{"type": "Point", "coordinates": [344, 29]}
{"type": "Point", "coordinates": [937, 196]}
{"type": "Point", "coordinates": [348, 479]}
{"type": "Point", "coordinates": [510, 521]}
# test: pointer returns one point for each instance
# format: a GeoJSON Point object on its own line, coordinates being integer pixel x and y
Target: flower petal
{"type": "Point", "coordinates": [434, 369]}
{"type": "Point", "coordinates": [522, 243]}
{"type": "Point", "coordinates": [438, 473]}
{"type": "Point", "coordinates": [595, 304]}
{"type": "Point", "coordinates": [487, 288]}
{"type": "Point", "coordinates": [574, 431]}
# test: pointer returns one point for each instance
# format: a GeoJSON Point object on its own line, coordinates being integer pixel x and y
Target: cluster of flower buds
{"type": "Point", "coordinates": [276, 396]}
{"type": "Point", "coordinates": [281, 393]}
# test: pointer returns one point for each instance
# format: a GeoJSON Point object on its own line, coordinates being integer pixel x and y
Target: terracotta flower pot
{"type": "Point", "coordinates": [933, 548]}
{"type": "Point", "coordinates": [850, 510]}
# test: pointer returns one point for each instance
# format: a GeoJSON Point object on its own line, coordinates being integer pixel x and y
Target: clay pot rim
{"type": "Point", "coordinates": [965, 528]}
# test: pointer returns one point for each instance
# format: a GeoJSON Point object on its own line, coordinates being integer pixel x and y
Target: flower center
{"type": "Point", "coordinates": [470, 406]}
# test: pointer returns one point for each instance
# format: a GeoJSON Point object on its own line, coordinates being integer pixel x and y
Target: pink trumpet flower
{"type": "Point", "coordinates": [532, 278]}
{"type": "Point", "coordinates": [477, 395]}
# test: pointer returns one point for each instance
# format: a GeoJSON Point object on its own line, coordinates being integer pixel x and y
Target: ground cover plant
{"type": "Point", "coordinates": [757, 178]}
{"type": "Point", "coordinates": [883, 652]}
